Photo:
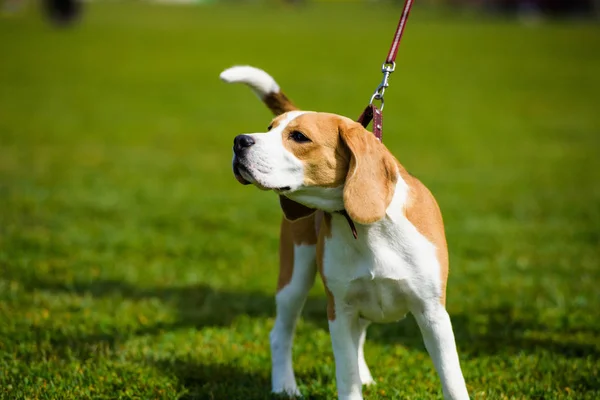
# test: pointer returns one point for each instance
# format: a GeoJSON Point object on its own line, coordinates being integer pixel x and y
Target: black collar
{"type": "Point", "coordinates": [350, 222]}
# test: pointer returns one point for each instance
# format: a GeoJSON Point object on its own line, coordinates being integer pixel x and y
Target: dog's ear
{"type": "Point", "coordinates": [293, 210]}
{"type": "Point", "coordinates": [372, 174]}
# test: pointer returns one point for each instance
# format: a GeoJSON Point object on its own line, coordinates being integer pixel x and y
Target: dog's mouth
{"type": "Point", "coordinates": [237, 172]}
{"type": "Point", "coordinates": [244, 176]}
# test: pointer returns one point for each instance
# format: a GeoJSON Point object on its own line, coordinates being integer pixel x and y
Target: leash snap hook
{"type": "Point", "coordinates": [387, 68]}
{"type": "Point", "coordinates": [378, 95]}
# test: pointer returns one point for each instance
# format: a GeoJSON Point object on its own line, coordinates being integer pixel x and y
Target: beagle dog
{"type": "Point", "coordinates": [352, 213]}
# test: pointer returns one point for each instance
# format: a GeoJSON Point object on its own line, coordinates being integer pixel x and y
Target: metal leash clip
{"type": "Point", "coordinates": [387, 68]}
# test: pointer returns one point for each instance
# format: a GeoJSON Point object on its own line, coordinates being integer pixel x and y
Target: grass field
{"type": "Point", "coordinates": [133, 265]}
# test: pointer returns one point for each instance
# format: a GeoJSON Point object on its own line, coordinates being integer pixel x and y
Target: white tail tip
{"type": "Point", "coordinates": [261, 82]}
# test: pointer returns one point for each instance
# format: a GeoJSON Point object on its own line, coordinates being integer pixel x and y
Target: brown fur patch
{"type": "Point", "coordinates": [293, 210]}
{"type": "Point", "coordinates": [286, 254]}
{"type": "Point", "coordinates": [324, 233]}
{"type": "Point", "coordinates": [424, 213]}
{"type": "Point", "coordinates": [278, 103]}
{"type": "Point", "coordinates": [293, 233]}
{"type": "Point", "coordinates": [371, 178]}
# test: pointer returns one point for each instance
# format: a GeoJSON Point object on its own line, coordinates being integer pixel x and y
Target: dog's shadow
{"type": "Point", "coordinates": [503, 331]}
{"type": "Point", "coordinates": [216, 381]}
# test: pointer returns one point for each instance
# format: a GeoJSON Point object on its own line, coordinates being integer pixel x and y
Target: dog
{"type": "Point", "coordinates": [352, 213]}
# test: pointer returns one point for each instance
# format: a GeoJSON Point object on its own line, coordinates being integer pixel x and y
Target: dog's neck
{"type": "Point", "coordinates": [396, 206]}
{"type": "Point", "coordinates": [331, 200]}
{"type": "Point", "coordinates": [320, 198]}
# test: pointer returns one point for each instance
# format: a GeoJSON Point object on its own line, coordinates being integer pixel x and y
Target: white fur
{"type": "Point", "coordinates": [343, 329]}
{"type": "Point", "coordinates": [438, 336]}
{"type": "Point", "coordinates": [260, 82]}
{"type": "Point", "coordinates": [390, 270]}
{"type": "Point", "coordinates": [327, 199]}
{"type": "Point", "coordinates": [290, 301]}
{"type": "Point", "coordinates": [269, 163]}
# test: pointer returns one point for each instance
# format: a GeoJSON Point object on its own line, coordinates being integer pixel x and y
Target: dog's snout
{"type": "Point", "coordinates": [241, 143]}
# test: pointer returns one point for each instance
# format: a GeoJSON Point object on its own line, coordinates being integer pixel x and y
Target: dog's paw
{"type": "Point", "coordinates": [369, 381]}
{"type": "Point", "coordinates": [289, 392]}
{"type": "Point", "coordinates": [365, 375]}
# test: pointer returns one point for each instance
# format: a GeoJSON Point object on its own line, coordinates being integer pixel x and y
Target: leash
{"type": "Point", "coordinates": [372, 112]}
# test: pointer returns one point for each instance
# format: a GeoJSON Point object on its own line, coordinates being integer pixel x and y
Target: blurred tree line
{"type": "Point", "coordinates": [547, 7]}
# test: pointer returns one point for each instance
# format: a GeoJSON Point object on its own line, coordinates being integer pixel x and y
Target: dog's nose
{"type": "Point", "coordinates": [241, 143]}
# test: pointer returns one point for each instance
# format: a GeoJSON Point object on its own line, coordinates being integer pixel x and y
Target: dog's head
{"type": "Point", "coordinates": [321, 161]}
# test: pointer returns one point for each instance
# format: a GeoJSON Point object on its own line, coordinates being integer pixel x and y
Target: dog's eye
{"type": "Point", "coordinates": [299, 137]}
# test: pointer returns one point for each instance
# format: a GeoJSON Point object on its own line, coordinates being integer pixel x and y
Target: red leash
{"type": "Point", "coordinates": [372, 112]}
{"type": "Point", "coordinates": [391, 57]}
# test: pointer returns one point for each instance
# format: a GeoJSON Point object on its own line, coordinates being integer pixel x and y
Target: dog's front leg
{"type": "Point", "coordinates": [345, 331]}
{"type": "Point", "coordinates": [290, 300]}
{"type": "Point", "coordinates": [436, 328]}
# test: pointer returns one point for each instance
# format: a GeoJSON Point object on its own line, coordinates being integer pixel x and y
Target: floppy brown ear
{"type": "Point", "coordinates": [293, 210]}
{"type": "Point", "coordinates": [372, 175]}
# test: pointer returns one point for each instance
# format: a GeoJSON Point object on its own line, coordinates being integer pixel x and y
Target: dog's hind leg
{"type": "Point", "coordinates": [296, 277]}
{"type": "Point", "coordinates": [436, 328]}
{"type": "Point", "coordinates": [365, 375]}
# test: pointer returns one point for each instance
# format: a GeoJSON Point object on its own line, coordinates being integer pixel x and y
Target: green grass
{"type": "Point", "coordinates": [132, 264]}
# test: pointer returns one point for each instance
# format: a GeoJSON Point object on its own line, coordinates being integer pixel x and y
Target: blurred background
{"type": "Point", "coordinates": [133, 265]}
{"type": "Point", "coordinates": [64, 11]}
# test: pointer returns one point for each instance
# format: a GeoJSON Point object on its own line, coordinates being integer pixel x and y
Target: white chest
{"type": "Point", "coordinates": [379, 275]}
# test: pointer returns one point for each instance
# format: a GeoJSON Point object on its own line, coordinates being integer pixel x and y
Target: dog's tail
{"type": "Point", "coordinates": [262, 84]}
